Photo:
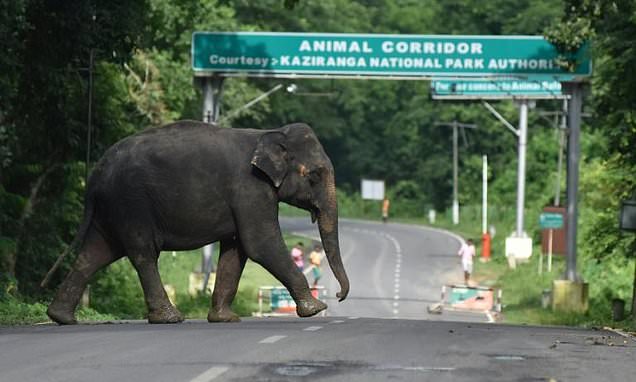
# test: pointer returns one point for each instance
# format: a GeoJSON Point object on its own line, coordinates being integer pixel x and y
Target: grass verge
{"type": "Point", "coordinates": [16, 312]}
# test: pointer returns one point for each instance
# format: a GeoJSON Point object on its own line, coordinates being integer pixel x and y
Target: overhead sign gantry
{"type": "Point", "coordinates": [217, 55]}
{"type": "Point", "coordinates": [342, 55]}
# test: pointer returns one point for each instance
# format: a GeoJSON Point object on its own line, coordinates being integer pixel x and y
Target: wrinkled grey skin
{"type": "Point", "coordinates": [187, 184]}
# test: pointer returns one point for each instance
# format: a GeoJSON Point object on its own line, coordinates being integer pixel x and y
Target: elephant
{"type": "Point", "coordinates": [187, 184]}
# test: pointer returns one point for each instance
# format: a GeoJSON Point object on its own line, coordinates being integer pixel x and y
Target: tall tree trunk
{"type": "Point", "coordinates": [27, 211]}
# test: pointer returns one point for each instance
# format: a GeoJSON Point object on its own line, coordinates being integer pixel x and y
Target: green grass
{"type": "Point", "coordinates": [16, 312]}
{"type": "Point", "coordinates": [522, 290]}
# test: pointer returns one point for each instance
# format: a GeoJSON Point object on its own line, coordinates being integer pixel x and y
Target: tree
{"type": "Point", "coordinates": [44, 123]}
{"type": "Point", "coordinates": [611, 28]}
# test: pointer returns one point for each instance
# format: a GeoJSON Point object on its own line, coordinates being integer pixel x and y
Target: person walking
{"type": "Point", "coordinates": [467, 252]}
{"type": "Point", "coordinates": [315, 257]}
{"type": "Point", "coordinates": [297, 256]}
{"type": "Point", "coordinates": [385, 209]}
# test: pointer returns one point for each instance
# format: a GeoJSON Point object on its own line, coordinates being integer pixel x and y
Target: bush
{"type": "Point", "coordinates": [117, 291]}
{"type": "Point", "coordinates": [14, 311]}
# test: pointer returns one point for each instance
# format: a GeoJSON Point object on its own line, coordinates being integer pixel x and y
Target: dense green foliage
{"type": "Point", "coordinates": [376, 129]}
{"type": "Point", "coordinates": [611, 177]}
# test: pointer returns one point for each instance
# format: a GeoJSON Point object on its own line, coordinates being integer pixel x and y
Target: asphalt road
{"type": "Point", "coordinates": [324, 349]}
{"type": "Point", "coordinates": [395, 270]}
{"type": "Point", "coordinates": [381, 332]}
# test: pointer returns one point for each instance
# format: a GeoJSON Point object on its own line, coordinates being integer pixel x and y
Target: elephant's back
{"type": "Point", "coordinates": [184, 151]}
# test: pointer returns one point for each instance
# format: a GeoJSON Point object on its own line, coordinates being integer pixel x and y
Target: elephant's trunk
{"type": "Point", "coordinates": [328, 227]}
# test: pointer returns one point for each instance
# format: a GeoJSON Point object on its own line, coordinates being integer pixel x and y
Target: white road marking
{"type": "Point", "coordinates": [397, 271]}
{"type": "Point", "coordinates": [336, 322]}
{"type": "Point", "coordinates": [210, 374]}
{"type": "Point", "coordinates": [271, 340]}
{"type": "Point", "coordinates": [415, 368]}
{"type": "Point", "coordinates": [353, 318]}
{"type": "Point", "coordinates": [312, 328]}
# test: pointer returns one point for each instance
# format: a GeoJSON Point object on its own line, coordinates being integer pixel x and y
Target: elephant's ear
{"type": "Point", "coordinates": [270, 156]}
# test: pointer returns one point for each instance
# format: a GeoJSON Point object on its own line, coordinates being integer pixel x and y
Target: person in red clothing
{"type": "Point", "coordinates": [297, 256]}
{"type": "Point", "coordinates": [385, 209]}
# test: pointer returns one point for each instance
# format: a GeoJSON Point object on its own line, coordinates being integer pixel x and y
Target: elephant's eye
{"type": "Point", "coordinates": [314, 177]}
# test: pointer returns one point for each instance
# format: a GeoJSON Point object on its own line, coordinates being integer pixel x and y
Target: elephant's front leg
{"type": "Point", "coordinates": [160, 309]}
{"type": "Point", "coordinates": [228, 273]}
{"type": "Point", "coordinates": [262, 239]}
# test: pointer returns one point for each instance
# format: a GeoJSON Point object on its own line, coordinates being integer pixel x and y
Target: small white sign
{"type": "Point", "coordinates": [372, 189]}
{"type": "Point", "coordinates": [519, 247]}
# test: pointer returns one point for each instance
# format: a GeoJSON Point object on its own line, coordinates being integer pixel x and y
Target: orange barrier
{"type": "Point", "coordinates": [485, 246]}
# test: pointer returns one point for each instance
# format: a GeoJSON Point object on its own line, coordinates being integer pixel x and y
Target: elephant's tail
{"type": "Point", "coordinates": [78, 241]}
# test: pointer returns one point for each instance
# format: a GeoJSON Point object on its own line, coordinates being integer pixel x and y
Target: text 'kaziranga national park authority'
{"type": "Point", "coordinates": [255, 53]}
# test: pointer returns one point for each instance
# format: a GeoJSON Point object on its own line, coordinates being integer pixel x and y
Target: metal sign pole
{"type": "Point", "coordinates": [455, 125]}
{"type": "Point", "coordinates": [212, 87]}
{"type": "Point", "coordinates": [212, 92]}
{"type": "Point", "coordinates": [574, 152]}
{"type": "Point", "coordinates": [484, 195]}
{"type": "Point", "coordinates": [562, 130]}
{"type": "Point", "coordinates": [521, 169]}
{"type": "Point", "coordinates": [455, 176]}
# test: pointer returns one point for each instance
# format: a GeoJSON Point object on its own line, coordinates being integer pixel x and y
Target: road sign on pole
{"type": "Point", "coordinates": [550, 220]}
{"type": "Point", "coordinates": [308, 55]}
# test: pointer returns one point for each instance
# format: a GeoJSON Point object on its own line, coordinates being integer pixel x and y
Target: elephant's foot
{"type": "Point", "coordinates": [223, 315]}
{"type": "Point", "coordinates": [165, 315]}
{"type": "Point", "coordinates": [60, 314]}
{"type": "Point", "coordinates": [308, 308]}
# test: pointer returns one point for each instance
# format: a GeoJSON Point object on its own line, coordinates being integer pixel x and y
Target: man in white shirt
{"type": "Point", "coordinates": [467, 252]}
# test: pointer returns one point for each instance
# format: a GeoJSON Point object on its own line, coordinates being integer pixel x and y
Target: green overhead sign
{"type": "Point", "coordinates": [496, 89]}
{"type": "Point", "coordinates": [272, 54]}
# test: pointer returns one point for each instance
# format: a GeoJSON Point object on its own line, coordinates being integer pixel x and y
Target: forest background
{"type": "Point", "coordinates": [371, 129]}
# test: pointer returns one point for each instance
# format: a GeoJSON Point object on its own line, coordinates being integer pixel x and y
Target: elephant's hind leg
{"type": "Point", "coordinates": [94, 255]}
{"type": "Point", "coordinates": [160, 309]}
{"type": "Point", "coordinates": [231, 263]}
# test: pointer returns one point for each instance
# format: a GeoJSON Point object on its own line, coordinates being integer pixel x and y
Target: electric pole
{"type": "Point", "coordinates": [455, 125]}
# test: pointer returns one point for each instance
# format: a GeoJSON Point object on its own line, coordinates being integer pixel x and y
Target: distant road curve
{"type": "Point", "coordinates": [396, 270]}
